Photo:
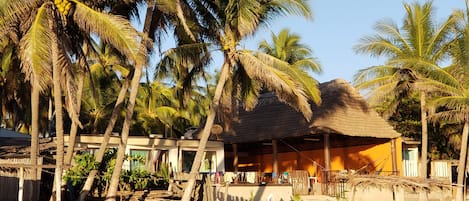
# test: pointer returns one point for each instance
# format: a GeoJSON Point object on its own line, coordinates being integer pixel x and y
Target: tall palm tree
{"type": "Point", "coordinates": [453, 100]}
{"type": "Point", "coordinates": [229, 22]}
{"type": "Point", "coordinates": [413, 52]}
{"type": "Point", "coordinates": [50, 22]}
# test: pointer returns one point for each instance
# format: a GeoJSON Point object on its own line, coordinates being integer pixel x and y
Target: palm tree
{"type": "Point", "coordinates": [153, 22]}
{"type": "Point", "coordinates": [107, 72]}
{"type": "Point", "coordinates": [101, 102]}
{"type": "Point", "coordinates": [158, 18]}
{"type": "Point", "coordinates": [455, 103]}
{"type": "Point", "coordinates": [228, 23]}
{"type": "Point", "coordinates": [53, 21]}
{"type": "Point", "coordinates": [156, 107]}
{"type": "Point", "coordinates": [413, 52]}
{"type": "Point", "coordinates": [287, 47]}
{"type": "Point", "coordinates": [453, 100]}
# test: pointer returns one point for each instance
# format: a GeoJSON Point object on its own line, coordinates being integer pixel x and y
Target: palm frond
{"type": "Point", "coordinates": [450, 116]}
{"type": "Point", "coordinates": [284, 86]}
{"type": "Point", "coordinates": [435, 86]}
{"type": "Point", "coordinates": [292, 7]}
{"type": "Point", "coordinates": [364, 78]}
{"type": "Point", "coordinates": [14, 11]}
{"type": "Point", "coordinates": [247, 89]}
{"type": "Point", "coordinates": [308, 63]}
{"type": "Point", "coordinates": [244, 16]}
{"type": "Point", "coordinates": [114, 30]}
{"type": "Point", "coordinates": [377, 46]}
{"type": "Point", "coordinates": [382, 93]}
{"type": "Point", "coordinates": [458, 103]}
{"type": "Point", "coordinates": [35, 50]}
{"type": "Point", "coordinates": [390, 29]}
{"type": "Point", "coordinates": [308, 84]}
{"type": "Point", "coordinates": [427, 69]}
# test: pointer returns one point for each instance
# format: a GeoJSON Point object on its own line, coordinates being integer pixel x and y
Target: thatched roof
{"type": "Point", "coordinates": [343, 111]}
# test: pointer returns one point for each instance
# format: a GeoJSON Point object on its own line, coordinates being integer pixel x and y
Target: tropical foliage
{"type": "Point", "coordinates": [82, 63]}
{"type": "Point", "coordinates": [413, 52]}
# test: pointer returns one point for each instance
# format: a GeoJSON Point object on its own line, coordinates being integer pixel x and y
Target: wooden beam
{"type": "Point", "coordinates": [13, 165]}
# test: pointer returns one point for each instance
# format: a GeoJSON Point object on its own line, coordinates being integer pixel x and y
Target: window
{"type": "Point", "coordinates": [138, 159]}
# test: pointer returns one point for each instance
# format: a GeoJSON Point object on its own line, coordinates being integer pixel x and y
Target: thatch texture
{"type": "Point", "coordinates": [392, 182]}
{"type": "Point", "coordinates": [343, 111]}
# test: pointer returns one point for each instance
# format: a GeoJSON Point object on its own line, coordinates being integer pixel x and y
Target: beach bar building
{"type": "Point", "coordinates": [275, 144]}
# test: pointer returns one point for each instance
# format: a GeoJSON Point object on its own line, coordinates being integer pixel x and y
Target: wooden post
{"type": "Point", "coordinates": [274, 158]}
{"type": "Point", "coordinates": [299, 164]}
{"type": "Point", "coordinates": [327, 161]}
{"type": "Point", "coordinates": [21, 184]}
{"type": "Point", "coordinates": [327, 155]}
{"type": "Point", "coordinates": [394, 156]}
{"type": "Point", "coordinates": [179, 166]}
{"type": "Point", "coordinates": [235, 159]}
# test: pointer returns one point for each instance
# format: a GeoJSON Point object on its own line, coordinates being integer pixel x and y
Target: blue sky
{"type": "Point", "coordinates": [337, 26]}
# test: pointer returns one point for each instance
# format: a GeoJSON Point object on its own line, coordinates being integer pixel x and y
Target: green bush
{"type": "Point", "coordinates": [77, 174]}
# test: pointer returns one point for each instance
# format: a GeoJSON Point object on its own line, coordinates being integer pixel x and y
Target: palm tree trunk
{"type": "Point", "coordinates": [58, 119]}
{"type": "Point", "coordinates": [114, 184]}
{"type": "Point", "coordinates": [107, 135]}
{"type": "Point", "coordinates": [180, 14]}
{"type": "Point", "coordinates": [423, 159]}
{"type": "Point", "coordinates": [74, 126]}
{"type": "Point", "coordinates": [112, 193]}
{"type": "Point", "coordinates": [206, 132]}
{"type": "Point", "coordinates": [462, 163]}
{"type": "Point", "coordinates": [34, 125]}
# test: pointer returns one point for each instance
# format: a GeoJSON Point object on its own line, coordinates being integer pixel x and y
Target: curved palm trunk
{"type": "Point", "coordinates": [206, 132]}
{"type": "Point", "coordinates": [462, 163]}
{"type": "Point", "coordinates": [107, 135]}
{"type": "Point", "coordinates": [34, 125]}
{"type": "Point", "coordinates": [58, 120]}
{"type": "Point", "coordinates": [112, 193]}
{"type": "Point", "coordinates": [423, 168]}
{"type": "Point", "coordinates": [74, 126]}
{"type": "Point", "coordinates": [114, 183]}
{"type": "Point", "coordinates": [180, 14]}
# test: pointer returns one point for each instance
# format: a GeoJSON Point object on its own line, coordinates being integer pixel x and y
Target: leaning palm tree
{"type": "Point", "coordinates": [157, 18]}
{"type": "Point", "coordinates": [49, 22]}
{"type": "Point", "coordinates": [413, 52]}
{"type": "Point", "coordinates": [229, 22]}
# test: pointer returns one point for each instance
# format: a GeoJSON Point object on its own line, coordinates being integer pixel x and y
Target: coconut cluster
{"type": "Point", "coordinates": [63, 6]}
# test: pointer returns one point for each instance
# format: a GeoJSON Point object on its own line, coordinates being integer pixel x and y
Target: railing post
{"type": "Point", "coordinates": [21, 184]}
